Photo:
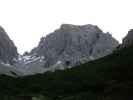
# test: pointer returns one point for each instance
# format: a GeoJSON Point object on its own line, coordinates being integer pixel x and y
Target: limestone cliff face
{"type": "Point", "coordinates": [8, 50]}
{"type": "Point", "coordinates": [71, 43]}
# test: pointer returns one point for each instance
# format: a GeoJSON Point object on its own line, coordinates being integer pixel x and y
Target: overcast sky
{"type": "Point", "coordinates": [26, 21]}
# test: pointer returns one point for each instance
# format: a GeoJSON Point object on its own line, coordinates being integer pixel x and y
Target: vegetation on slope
{"type": "Point", "coordinates": [108, 78]}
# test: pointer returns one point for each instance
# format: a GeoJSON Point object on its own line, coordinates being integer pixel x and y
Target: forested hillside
{"type": "Point", "coordinates": [109, 78]}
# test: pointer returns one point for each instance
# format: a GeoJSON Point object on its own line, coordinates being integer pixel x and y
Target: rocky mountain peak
{"type": "Point", "coordinates": [73, 43]}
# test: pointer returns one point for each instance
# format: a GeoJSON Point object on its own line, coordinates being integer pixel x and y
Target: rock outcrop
{"type": "Point", "coordinates": [128, 40]}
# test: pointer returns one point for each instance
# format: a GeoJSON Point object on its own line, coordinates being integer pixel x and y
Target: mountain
{"type": "Point", "coordinates": [67, 46]}
{"type": "Point", "coordinates": [8, 51]}
{"type": "Point", "coordinates": [106, 78]}
{"type": "Point", "coordinates": [70, 44]}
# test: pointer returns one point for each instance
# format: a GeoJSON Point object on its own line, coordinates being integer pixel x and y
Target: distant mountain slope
{"type": "Point", "coordinates": [71, 43]}
{"type": "Point", "coordinates": [8, 50]}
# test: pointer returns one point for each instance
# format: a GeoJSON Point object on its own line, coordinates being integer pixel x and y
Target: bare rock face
{"type": "Point", "coordinates": [8, 51]}
{"type": "Point", "coordinates": [71, 43]}
{"type": "Point", "coordinates": [64, 48]}
{"type": "Point", "coordinates": [128, 40]}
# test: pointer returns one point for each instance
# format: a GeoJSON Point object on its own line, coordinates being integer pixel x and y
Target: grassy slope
{"type": "Point", "coordinates": [108, 78]}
